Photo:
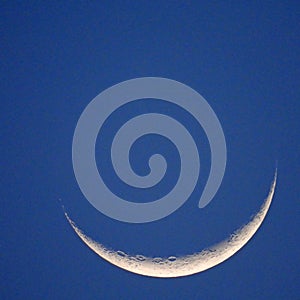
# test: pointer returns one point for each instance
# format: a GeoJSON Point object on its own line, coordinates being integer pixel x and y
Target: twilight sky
{"type": "Point", "coordinates": [55, 57]}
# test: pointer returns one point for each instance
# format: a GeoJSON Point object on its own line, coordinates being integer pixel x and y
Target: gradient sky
{"type": "Point", "coordinates": [56, 57]}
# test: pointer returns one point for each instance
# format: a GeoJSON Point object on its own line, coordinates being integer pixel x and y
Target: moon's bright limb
{"type": "Point", "coordinates": [184, 265]}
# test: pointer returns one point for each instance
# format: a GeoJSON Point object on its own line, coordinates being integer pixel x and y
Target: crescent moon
{"type": "Point", "coordinates": [184, 265]}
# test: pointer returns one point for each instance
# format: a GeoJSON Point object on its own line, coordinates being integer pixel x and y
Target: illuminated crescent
{"type": "Point", "coordinates": [184, 265]}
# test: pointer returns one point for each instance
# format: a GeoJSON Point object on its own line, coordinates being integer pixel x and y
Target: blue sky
{"type": "Point", "coordinates": [56, 57]}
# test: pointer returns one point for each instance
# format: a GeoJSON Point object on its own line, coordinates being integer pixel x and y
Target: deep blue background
{"type": "Point", "coordinates": [55, 57]}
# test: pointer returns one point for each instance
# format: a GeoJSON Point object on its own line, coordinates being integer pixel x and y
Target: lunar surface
{"type": "Point", "coordinates": [184, 265]}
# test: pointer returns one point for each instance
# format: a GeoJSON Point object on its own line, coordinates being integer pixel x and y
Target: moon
{"type": "Point", "coordinates": [184, 265]}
